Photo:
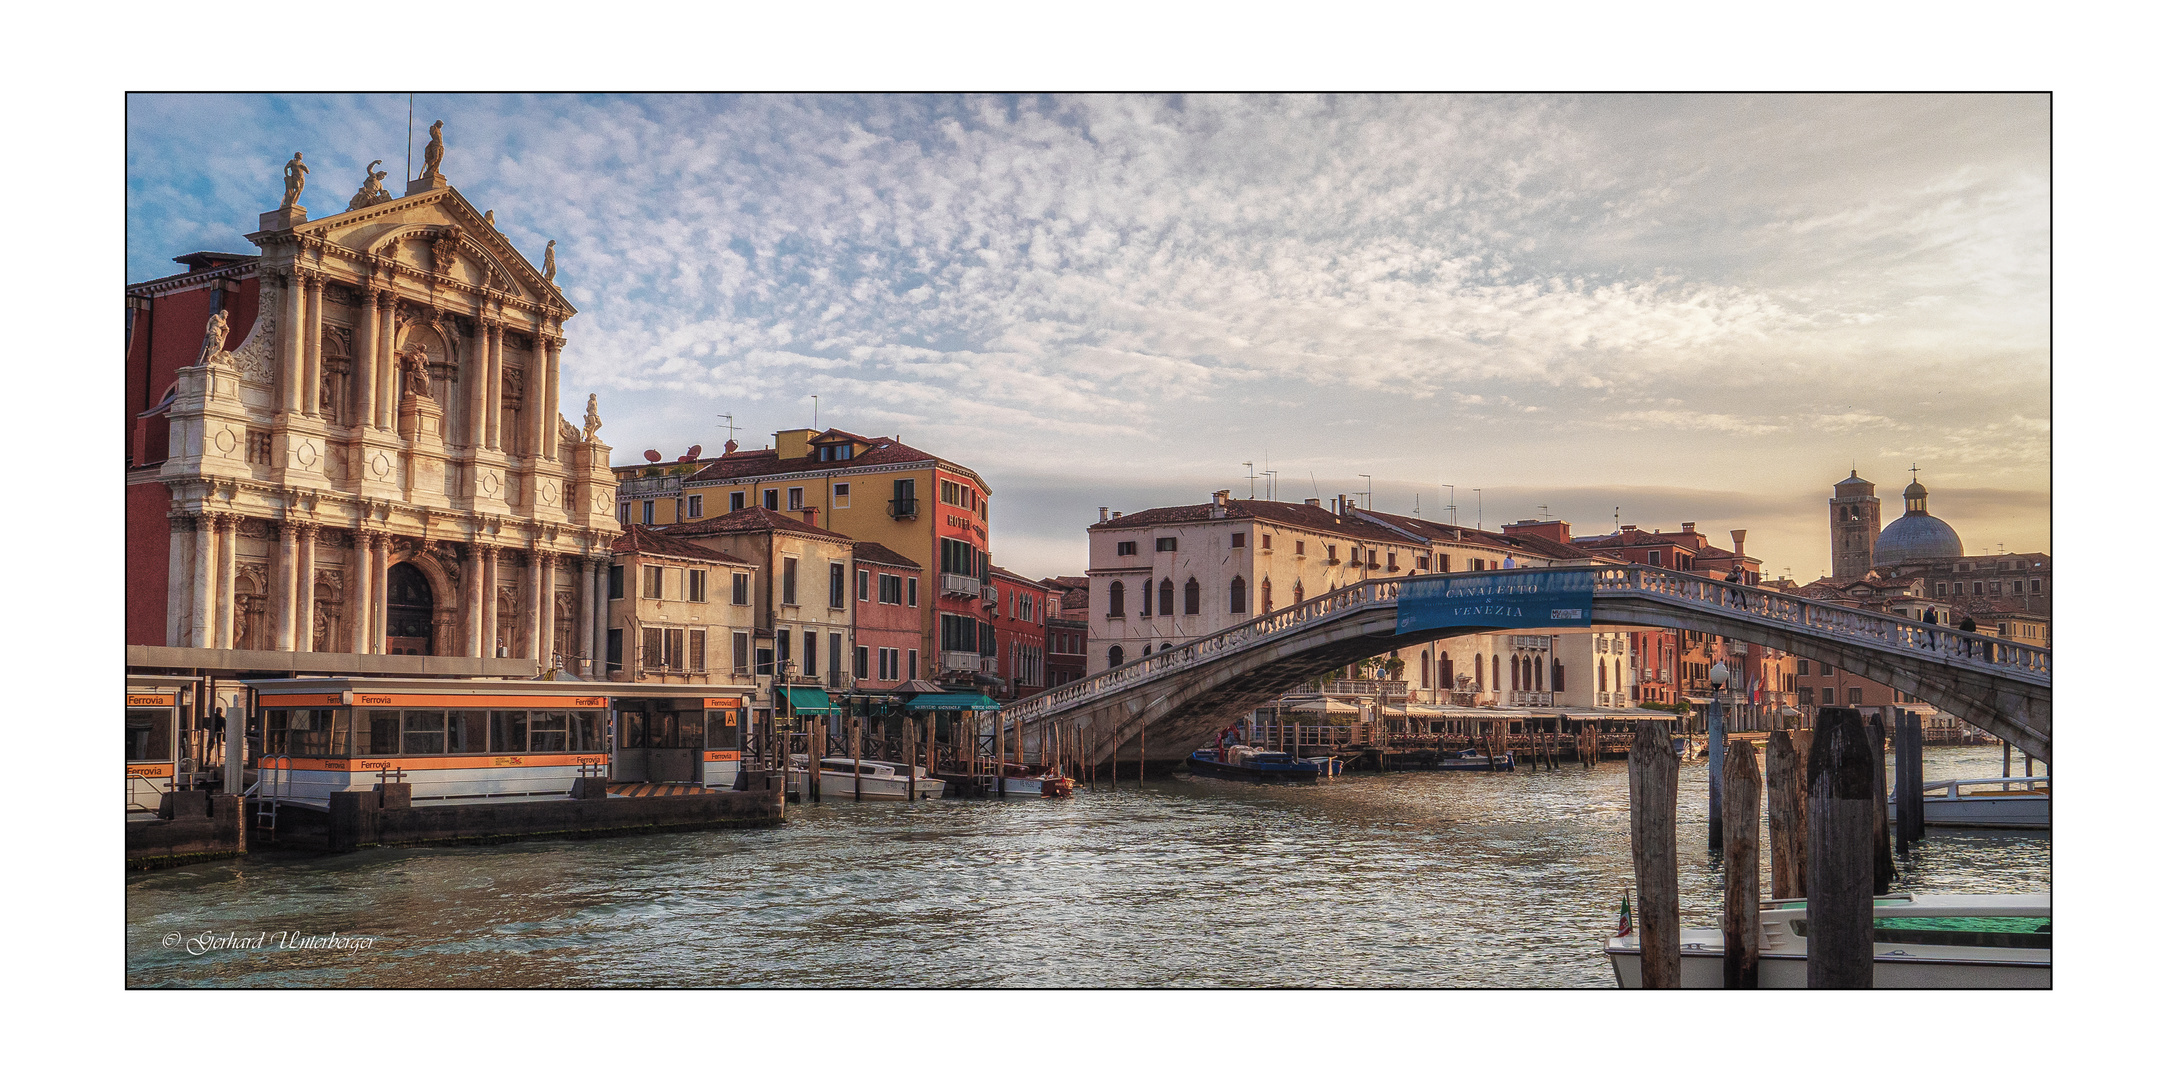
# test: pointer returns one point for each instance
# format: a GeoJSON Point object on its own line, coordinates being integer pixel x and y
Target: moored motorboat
{"type": "Point", "coordinates": [2002, 802]}
{"type": "Point", "coordinates": [1471, 760]}
{"type": "Point", "coordinates": [1938, 941]}
{"type": "Point", "coordinates": [884, 781]}
{"type": "Point", "coordinates": [1254, 763]}
{"type": "Point", "coordinates": [1024, 780]}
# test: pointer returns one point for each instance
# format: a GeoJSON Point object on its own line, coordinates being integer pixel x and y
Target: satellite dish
{"type": "Point", "coordinates": [696, 450]}
{"type": "Point", "coordinates": [652, 455]}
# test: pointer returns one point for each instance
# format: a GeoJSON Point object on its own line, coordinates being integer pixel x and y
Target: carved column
{"type": "Point", "coordinates": [476, 392]}
{"type": "Point", "coordinates": [490, 598]}
{"type": "Point", "coordinates": [494, 381]}
{"type": "Point", "coordinates": [550, 446]}
{"type": "Point", "coordinates": [382, 593]}
{"type": "Point", "coordinates": [304, 603]}
{"type": "Point", "coordinates": [386, 372]}
{"type": "Point", "coordinates": [286, 594]}
{"type": "Point", "coordinates": [363, 361]}
{"type": "Point", "coordinates": [311, 384]}
{"type": "Point", "coordinates": [587, 606]}
{"type": "Point", "coordinates": [604, 613]}
{"type": "Point", "coordinates": [228, 565]}
{"type": "Point", "coordinates": [544, 573]}
{"type": "Point", "coordinates": [202, 604]}
{"type": "Point", "coordinates": [474, 616]}
{"type": "Point", "coordinates": [533, 647]}
{"type": "Point", "coordinates": [292, 344]}
{"type": "Point", "coordinates": [358, 612]}
{"type": "Point", "coordinates": [179, 575]}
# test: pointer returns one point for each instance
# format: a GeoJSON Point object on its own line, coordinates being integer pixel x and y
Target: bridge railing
{"type": "Point", "coordinates": [1940, 644]}
{"type": "Point", "coordinates": [1236, 638]}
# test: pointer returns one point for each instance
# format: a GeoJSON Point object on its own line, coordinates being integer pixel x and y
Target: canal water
{"type": "Point", "coordinates": [1412, 879]}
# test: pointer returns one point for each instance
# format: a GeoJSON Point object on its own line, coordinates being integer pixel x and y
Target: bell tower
{"type": "Point", "coordinates": [1855, 521]}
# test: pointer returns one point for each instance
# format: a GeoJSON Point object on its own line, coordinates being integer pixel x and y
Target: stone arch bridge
{"type": "Point", "coordinates": [1184, 695]}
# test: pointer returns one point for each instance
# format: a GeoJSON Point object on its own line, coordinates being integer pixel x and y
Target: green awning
{"type": "Point", "coordinates": [809, 699]}
{"type": "Point", "coordinates": [928, 702]}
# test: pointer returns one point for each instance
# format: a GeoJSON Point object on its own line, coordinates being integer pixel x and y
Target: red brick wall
{"type": "Point", "coordinates": [891, 626]}
{"type": "Point", "coordinates": [169, 337]}
{"type": "Point", "coordinates": [149, 539]}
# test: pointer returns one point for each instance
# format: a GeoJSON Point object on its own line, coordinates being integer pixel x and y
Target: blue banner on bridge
{"type": "Point", "coordinates": [1518, 599]}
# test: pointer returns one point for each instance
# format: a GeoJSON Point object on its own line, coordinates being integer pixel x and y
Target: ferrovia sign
{"type": "Point", "coordinates": [1506, 600]}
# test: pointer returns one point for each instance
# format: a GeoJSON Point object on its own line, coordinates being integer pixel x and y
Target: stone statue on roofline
{"type": "Point", "coordinates": [431, 158]}
{"type": "Point", "coordinates": [213, 346]}
{"type": "Point", "coordinates": [295, 181]}
{"type": "Point", "coordinates": [592, 416]}
{"type": "Point", "coordinates": [371, 189]}
{"type": "Point", "coordinates": [547, 263]}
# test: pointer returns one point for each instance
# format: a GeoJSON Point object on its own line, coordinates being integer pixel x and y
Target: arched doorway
{"type": "Point", "coordinates": [411, 614]}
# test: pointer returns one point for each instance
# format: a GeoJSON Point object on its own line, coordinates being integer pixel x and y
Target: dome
{"type": "Point", "coordinates": [1914, 490]}
{"type": "Point", "coordinates": [1917, 537]}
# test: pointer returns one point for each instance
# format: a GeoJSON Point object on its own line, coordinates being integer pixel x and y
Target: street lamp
{"type": "Point", "coordinates": [1718, 676]}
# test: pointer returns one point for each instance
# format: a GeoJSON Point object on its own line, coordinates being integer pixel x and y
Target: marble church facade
{"type": "Point", "coordinates": [358, 447]}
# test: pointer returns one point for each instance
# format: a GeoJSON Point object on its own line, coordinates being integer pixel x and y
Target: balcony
{"type": "Point", "coordinates": [949, 660]}
{"type": "Point", "coordinates": [1531, 641]}
{"type": "Point", "coordinates": [1366, 688]}
{"type": "Point", "coordinates": [901, 509]}
{"type": "Point", "coordinates": [988, 666]}
{"type": "Point", "coordinates": [959, 585]}
{"type": "Point", "coordinates": [1538, 699]}
{"type": "Point", "coordinates": [989, 596]}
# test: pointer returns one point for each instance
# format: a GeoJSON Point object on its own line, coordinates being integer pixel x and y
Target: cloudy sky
{"type": "Point", "coordinates": [1701, 308]}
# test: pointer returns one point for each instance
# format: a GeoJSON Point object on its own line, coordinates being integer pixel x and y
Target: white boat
{"type": "Point", "coordinates": [2001, 802]}
{"type": "Point", "coordinates": [1946, 941]}
{"type": "Point", "coordinates": [881, 780]}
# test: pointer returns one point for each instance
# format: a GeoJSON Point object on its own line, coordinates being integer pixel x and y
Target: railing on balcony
{"type": "Point", "coordinates": [901, 509]}
{"type": "Point", "coordinates": [989, 666]}
{"type": "Point", "coordinates": [638, 487]}
{"type": "Point", "coordinates": [1530, 641]}
{"type": "Point", "coordinates": [953, 660]}
{"type": "Point", "coordinates": [1367, 688]}
{"type": "Point", "coordinates": [1530, 698]}
{"type": "Point", "coordinates": [989, 596]}
{"type": "Point", "coordinates": [959, 585]}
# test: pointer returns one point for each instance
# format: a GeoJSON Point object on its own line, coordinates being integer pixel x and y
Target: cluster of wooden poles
{"type": "Point", "coordinates": [1067, 747]}
{"type": "Point", "coordinates": [1829, 844]}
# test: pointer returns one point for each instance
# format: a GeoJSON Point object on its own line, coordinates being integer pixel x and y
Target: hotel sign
{"type": "Point", "coordinates": [1504, 600]}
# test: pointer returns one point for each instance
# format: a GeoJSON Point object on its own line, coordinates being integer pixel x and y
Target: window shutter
{"type": "Point", "coordinates": [697, 650]}
{"type": "Point", "coordinates": [651, 657]}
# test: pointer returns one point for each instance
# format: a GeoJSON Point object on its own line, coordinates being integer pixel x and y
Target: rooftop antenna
{"type": "Point", "coordinates": [1543, 511]}
{"type": "Point", "coordinates": [1616, 521]}
{"type": "Point", "coordinates": [730, 418]}
{"type": "Point", "coordinates": [408, 138]}
{"type": "Point", "coordinates": [1450, 503]}
{"type": "Point", "coordinates": [813, 412]}
{"type": "Point", "coordinates": [1271, 473]}
{"type": "Point", "coordinates": [1480, 508]}
{"type": "Point", "coordinates": [1416, 501]}
{"type": "Point", "coordinates": [1368, 489]}
{"type": "Point", "coordinates": [1315, 483]}
{"type": "Point", "coordinates": [1250, 478]}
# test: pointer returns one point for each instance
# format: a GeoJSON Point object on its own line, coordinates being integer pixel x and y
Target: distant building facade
{"type": "Point", "coordinates": [682, 611]}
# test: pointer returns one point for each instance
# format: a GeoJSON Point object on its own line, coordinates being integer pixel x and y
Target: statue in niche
{"type": "Point", "coordinates": [416, 371]}
{"type": "Point", "coordinates": [431, 158]}
{"type": "Point", "coordinates": [213, 346]}
{"type": "Point", "coordinates": [371, 189]}
{"type": "Point", "coordinates": [547, 263]}
{"type": "Point", "coordinates": [592, 416]}
{"type": "Point", "coordinates": [295, 181]}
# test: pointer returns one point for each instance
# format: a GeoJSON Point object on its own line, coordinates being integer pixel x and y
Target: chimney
{"type": "Point", "coordinates": [1687, 526]}
{"type": "Point", "coordinates": [1627, 528]}
{"type": "Point", "coordinates": [1102, 513]}
{"type": "Point", "coordinates": [1312, 502]}
{"type": "Point", "coordinates": [1739, 541]}
{"type": "Point", "coordinates": [1116, 514]}
{"type": "Point", "coordinates": [809, 515]}
{"type": "Point", "coordinates": [729, 448]}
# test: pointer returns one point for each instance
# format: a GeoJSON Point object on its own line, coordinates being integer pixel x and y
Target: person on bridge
{"type": "Point", "coordinates": [1966, 624]}
{"type": "Point", "coordinates": [1930, 619]}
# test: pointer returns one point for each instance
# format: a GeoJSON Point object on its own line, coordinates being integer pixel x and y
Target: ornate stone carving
{"type": "Point", "coordinates": [213, 346]}
{"type": "Point", "coordinates": [416, 371]}
{"type": "Point", "coordinates": [592, 416]}
{"type": "Point", "coordinates": [431, 158]}
{"type": "Point", "coordinates": [371, 189]}
{"type": "Point", "coordinates": [295, 181]}
{"type": "Point", "coordinates": [337, 292]}
{"type": "Point", "coordinates": [513, 383]}
{"type": "Point", "coordinates": [569, 434]}
{"type": "Point", "coordinates": [253, 359]}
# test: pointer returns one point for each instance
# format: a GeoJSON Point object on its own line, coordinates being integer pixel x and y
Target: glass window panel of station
{"type": "Point", "coordinates": [424, 731]}
{"type": "Point", "coordinates": [550, 731]}
{"type": "Point", "coordinates": [149, 734]}
{"type": "Point", "coordinates": [588, 731]}
{"type": "Point", "coordinates": [382, 731]}
{"type": "Point", "coordinates": [506, 731]}
{"type": "Point", "coordinates": [723, 728]}
{"type": "Point", "coordinates": [465, 731]}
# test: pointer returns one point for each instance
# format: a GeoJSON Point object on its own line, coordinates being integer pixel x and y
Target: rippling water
{"type": "Point", "coordinates": [1400, 879]}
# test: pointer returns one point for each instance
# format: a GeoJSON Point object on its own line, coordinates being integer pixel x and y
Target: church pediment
{"type": "Point", "coordinates": [437, 232]}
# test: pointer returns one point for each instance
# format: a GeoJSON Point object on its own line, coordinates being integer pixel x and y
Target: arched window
{"type": "Point", "coordinates": [1514, 672]}
{"type": "Point", "coordinates": [1477, 666]}
{"type": "Point", "coordinates": [1425, 667]}
{"type": "Point", "coordinates": [1447, 671]}
{"type": "Point", "coordinates": [1237, 595]}
{"type": "Point", "coordinates": [1540, 684]}
{"type": "Point", "coordinates": [1117, 605]}
{"type": "Point", "coordinates": [1601, 676]}
{"type": "Point", "coordinates": [1117, 654]}
{"type": "Point", "coordinates": [1267, 596]}
{"type": "Point", "coordinates": [1192, 596]}
{"type": "Point", "coordinates": [1147, 599]}
{"type": "Point", "coordinates": [1166, 598]}
{"type": "Point", "coordinates": [1147, 650]}
{"type": "Point", "coordinates": [1297, 592]}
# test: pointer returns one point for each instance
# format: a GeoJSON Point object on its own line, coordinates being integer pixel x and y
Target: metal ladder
{"type": "Point", "coordinates": [273, 780]}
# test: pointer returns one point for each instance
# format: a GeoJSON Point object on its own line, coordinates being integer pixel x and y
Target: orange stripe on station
{"type": "Point", "coordinates": [723, 755]}
{"type": "Point", "coordinates": [150, 700]}
{"type": "Point", "coordinates": [150, 770]}
{"type": "Point", "coordinates": [376, 763]}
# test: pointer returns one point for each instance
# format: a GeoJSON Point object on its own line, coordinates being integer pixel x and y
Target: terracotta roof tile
{"type": "Point", "coordinates": [644, 540]}
{"type": "Point", "coordinates": [748, 464]}
{"type": "Point", "coordinates": [868, 552]}
{"type": "Point", "coordinates": [754, 519]}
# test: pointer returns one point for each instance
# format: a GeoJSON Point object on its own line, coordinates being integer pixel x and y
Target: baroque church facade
{"type": "Point", "coordinates": [350, 443]}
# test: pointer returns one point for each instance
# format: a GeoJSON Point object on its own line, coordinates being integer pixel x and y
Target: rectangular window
{"type": "Point", "coordinates": [1300, 547]}
{"type": "Point", "coordinates": [784, 642]}
{"type": "Point", "coordinates": [614, 649]}
{"type": "Point", "coordinates": [622, 513]}
{"type": "Point", "coordinates": [655, 649]}
{"type": "Point", "coordinates": [794, 498]}
{"type": "Point", "coordinates": [862, 662]}
{"type": "Point", "coordinates": [645, 512]}
{"type": "Point", "coordinates": [1657, 558]}
{"type": "Point", "coordinates": [1957, 589]}
{"type": "Point", "coordinates": [1128, 547]}
{"type": "Point", "coordinates": [2017, 586]}
{"type": "Point", "coordinates": [678, 511]}
{"type": "Point", "coordinates": [1994, 588]}
{"type": "Point", "coordinates": [673, 649]}
{"type": "Point", "coordinates": [1852, 695]}
{"type": "Point", "coordinates": [1237, 540]}
{"type": "Point", "coordinates": [765, 661]}
{"type": "Point", "coordinates": [1166, 543]}
{"type": "Point", "coordinates": [2036, 585]}
{"type": "Point", "coordinates": [911, 594]}
{"type": "Point", "coordinates": [550, 731]}
{"type": "Point", "coordinates": [1801, 665]}
{"type": "Point", "coordinates": [652, 583]}
{"type": "Point", "coordinates": [1331, 553]}
{"type": "Point", "coordinates": [772, 498]}
{"type": "Point", "coordinates": [697, 650]}
{"type": "Point", "coordinates": [615, 582]}
{"type": "Point", "coordinates": [834, 650]}
{"type": "Point", "coordinates": [809, 654]}
{"type": "Point", "coordinates": [1267, 541]}
{"type": "Point", "coordinates": [423, 731]}
{"type": "Point", "coordinates": [1444, 563]}
{"type": "Point", "coordinates": [836, 585]}
{"type": "Point", "coordinates": [903, 499]}
{"type": "Point", "coordinates": [888, 588]}
{"type": "Point", "coordinates": [1942, 588]}
{"type": "Point", "coordinates": [840, 496]}
{"type": "Point", "coordinates": [742, 653]}
{"type": "Point", "coordinates": [911, 668]}
{"type": "Point", "coordinates": [862, 584]}
{"type": "Point", "coordinates": [697, 586]}
{"type": "Point", "coordinates": [787, 581]}
{"type": "Point", "coordinates": [735, 500]}
{"type": "Point", "coordinates": [740, 592]}
{"type": "Point", "coordinates": [697, 506]}
{"type": "Point", "coordinates": [1391, 562]}
{"type": "Point", "coordinates": [1807, 695]}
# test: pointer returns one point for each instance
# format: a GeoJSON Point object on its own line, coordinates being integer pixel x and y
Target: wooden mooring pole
{"type": "Point", "coordinates": [1743, 888]}
{"type": "Point", "coordinates": [1653, 826]}
{"type": "Point", "coordinates": [1884, 867]}
{"type": "Point", "coordinates": [814, 755]}
{"type": "Point", "coordinates": [997, 749]}
{"type": "Point", "coordinates": [854, 742]}
{"type": "Point", "coordinates": [1840, 869]}
{"type": "Point", "coordinates": [1911, 825]}
{"type": "Point", "coordinates": [1787, 775]}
